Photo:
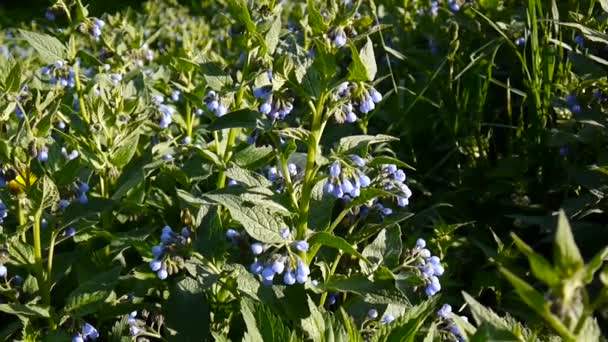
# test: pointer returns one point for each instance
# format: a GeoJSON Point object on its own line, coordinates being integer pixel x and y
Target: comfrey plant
{"type": "Point", "coordinates": [130, 123]}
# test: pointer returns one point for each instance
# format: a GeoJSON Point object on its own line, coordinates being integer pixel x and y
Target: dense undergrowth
{"type": "Point", "coordinates": [321, 170]}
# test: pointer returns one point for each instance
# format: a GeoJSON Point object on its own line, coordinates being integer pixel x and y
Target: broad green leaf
{"type": "Point", "coordinates": [252, 156]}
{"type": "Point", "coordinates": [297, 133]}
{"type": "Point", "coordinates": [26, 310]}
{"type": "Point", "coordinates": [407, 327]}
{"type": "Point", "coordinates": [252, 333]}
{"type": "Point", "coordinates": [482, 315]}
{"type": "Point", "coordinates": [321, 207]}
{"type": "Point", "coordinates": [356, 70]}
{"type": "Point", "coordinates": [369, 59]}
{"type": "Point", "coordinates": [90, 295]}
{"type": "Point", "coordinates": [240, 10]}
{"type": "Point", "coordinates": [372, 229]}
{"type": "Point", "coordinates": [594, 265]}
{"type": "Point", "coordinates": [487, 332]}
{"type": "Point", "coordinates": [215, 77]}
{"type": "Point", "coordinates": [68, 173]}
{"type": "Point", "coordinates": [382, 160]}
{"type": "Point", "coordinates": [314, 325]}
{"type": "Point", "coordinates": [21, 254]}
{"type": "Point", "coordinates": [541, 268]}
{"type": "Point", "coordinates": [330, 240]}
{"type": "Point", "coordinates": [187, 311]}
{"type": "Point", "coordinates": [374, 292]}
{"type": "Point", "coordinates": [384, 250]}
{"type": "Point", "coordinates": [125, 150]}
{"type": "Point", "coordinates": [315, 19]}
{"type": "Point", "coordinates": [353, 143]}
{"type": "Point", "coordinates": [604, 5]}
{"type": "Point", "coordinates": [591, 330]}
{"type": "Point", "coordinates": [248, 178]}
{"type": "Point", "coordinates": [351, 329]}
{"type": "Point", "coordinates": [273, 34]}
{"type": "Point", "coordinates": [566, 255]}
{"type": "Point", "coordinates": [259, 221]}
{"type": "Point", "coordinates": [49, 47]}
{"type": "Point", "coordinates": [94, 206]}
{"type": "Point", "coordinates": [13, 79]}
{"type": "Point", "coordinates": [244, 118]}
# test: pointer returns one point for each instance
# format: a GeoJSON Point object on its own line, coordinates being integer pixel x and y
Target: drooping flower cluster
{"type": "Point", "coordinates": [134, 328]}
{"type": "Point", "coordinates": [89, 333]}
{"type": "Point", "coordinates": [166, 112]}
{"type": "Point", "coordinates": [275, 106]}
{"type": "Point", "coordinates": [170, 242]}
{"type": "Point", "coordinates": [445, 315]}
{"type": "Point", "coordinates": [59, 73]}
{"type": "Point", "coordinates": [214, 104]}
{"type": "Point", "coordinates": [3, 271]}
{"type": "Point", "coordinates": [96, 28]}
{"type": "Point", "coordinates": [69, 156]}
{"type": "Point", "coordinates": [572, 101]}
{"type": "Point", "coordinates": [355, 96]}
{"type": "Point", "coordinates": [347, 182]}
{"type": "Point", "coordinates": [81, 190]}
{"type": "Point", "coordinates": [270, 262]}
{"type": "Point", "coordinates": [430, 268]}
{"type": "Point", "coordinates": [394, 179]}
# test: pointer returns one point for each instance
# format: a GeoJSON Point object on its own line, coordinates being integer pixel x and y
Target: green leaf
{"type": "Point", "coordinates": [297, 133]}
{"type": "Point", "coordinates": [406, 328]}
{"type": "Point", "coordinates": [91, 294]}
{"type": "Point", "coordinates": [187, 312]}
{"type": "Point", "coordinates": [356, 70]}
{"type": "Point", "coordinates": [384, 250]}
{"type": "Point", "coordinates": [49, 47]}
{"type": "Point", "coordinates": [263, 324]}
{"type": "Point", "coordinates": [244, 118]}
{"type": "Point", "coordinates": [351, 329]}
{"type": "Point", "coordinates": [541, 268]}
{"type": "Point", "coordinates": [594, 265]}
{"type": "Point", "coordinates": [260, 222]}
{"type": "Point", "coordinates": [566, 255]}
{"type": "Point", "coordinates": [381, 160]}
{"type": "Point", "coordinates": [125, 150]}
{"type": "Point", "coordinates": [240, 10]}
{"type": "Point", "coordinates": [273, 34]}
{"type": "Point", "coordinates": [13, 79]}
{"type": "Point", "coordinates": [26, 310]}
{"type": "Point", "coordinates": [482, 315]}
{"type": "Point", "coordinates": [252, 156]}
{"type": "Point", "coordinates": [67, 174]}
{"type": "Point", "coordinates": [330, 240]}
{"type": "Point", "coordinates": [94, 206]}
{"type": "Point", "coordinates": [248, 178]}
{"type": "Point", "coordinates": [353, 143]}
{"type": "Point", "coordinates": [314, 325]}
{"type": "Point", "coordinates": [487, 332]}
{"type": "Point", "coordinates": [21, 254]}
{"type": "Point", "coordinates": [372, 229]}
{"type": "Point", "coordinates": [315, 19]}
{"type": "Point", "coordinates": [374, 292]}
{"type": "Point", "coordinates": [215, 77]}
{"type": "Point", "coordinates": [369, 59]}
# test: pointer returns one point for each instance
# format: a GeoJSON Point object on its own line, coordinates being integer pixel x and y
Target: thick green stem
{"type": "Point", "coordinates": [45, 289]}
{"type": "Point", "coordinates": [81, 102]}
{"type": "Point", "coordinates": [21, 217]}
{"type": "Point", "coordinates": [313, 145]}
{"type": "Point", "coordinates": [334, 266]}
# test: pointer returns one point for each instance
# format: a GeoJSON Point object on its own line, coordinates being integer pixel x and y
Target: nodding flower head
{"type": "Point", "coordinates": [339, 38]}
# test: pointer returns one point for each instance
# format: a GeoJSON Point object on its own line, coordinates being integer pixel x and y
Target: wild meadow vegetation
{"type": "Point", "coordinates": [321, 170]}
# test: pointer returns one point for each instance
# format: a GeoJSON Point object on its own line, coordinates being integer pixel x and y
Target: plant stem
{"type": "Point", "coordinates": [334, 266]}
{"type": "Point", "coordinates": [81, 102]}
{"type": "Point", "coordinates": [313, 145]}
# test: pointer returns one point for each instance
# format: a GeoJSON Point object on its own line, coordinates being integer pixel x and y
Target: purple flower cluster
{"type": "Point", "coordinates": [96, 28]}
{"type": "Point", "coordinates": [214, 104]}
{"type": "Point", "coordinates": [394, 179]}
{"type": "Point", "coordinates": [60, 74]}
{"type": "Point", "coordinates": [70, 156]}
{"type": "Point", "coordinates": [3, 271]}
{"type": "Point", "coordinates": [134, 329]}
{"type": "Point", "coordinates": [445, 314]}
{"type": "Point", "coordinates": [89, 333]}
{"type": "Point", "coordinates": [572, 101]}
{"type": "Point", "coordinates": [166, 112]}
{"type": "Point", "coordinates": [430, 268]}
{"type": "Point", "coordinates": [270, 264]}
{"type": "Point", "coordinates": [339, 38]}
{"type": "Point", "coordinates": [347, 182]}
{"type": "Point", "coordinates": [169, 240]}
{"type": "Point", "coordinates": [274, 106]}
{"type": "Point", "coordinates": [81, 191]}
{"type": "Point", "coordinates": [365, 101]}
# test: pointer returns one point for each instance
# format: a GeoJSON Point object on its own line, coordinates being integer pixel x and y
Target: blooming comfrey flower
{"type": "Point", "coordinates": [372, 314]}
{"type": "Point", "coordinates": [520, 41]}
{"type": "Point", "coordinates": [3, 212]}
{"type": "Point", "coordinates": [285, 233]}
{"type": "Point", "coordinates": [445, 311]}
{"type": "Point", "coordinates": [3, 271]}
{"type": "Point", "coordinates": [367, 105]}
{"type": "Point", "coordinates": [89, 332]}
{"type": "Point", "coordinates": [289, 278]}
{"type": "Point", "coordinates": [49, 15]}
{"type": "Point", "coordinates": [257, 248]}
{"type": "Point", "coordinates": [388, 319]}
{"type": "Point", "coordinates": [71, 231]}
{"type": "Point", "coordinates": [302, 272]}
{"type": "Point", "coordinates": [98, 24]}
{"type": "Point", "coordinates": [454, 5]}
{"type": "Point", "coordinates": [339, 38]}
{"type": "Point", "coordinates": [580, 41]}
{"type": "Point", "coordinates": [302, 246]}
{"type": "Point", "coordinates": [175, 95]}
